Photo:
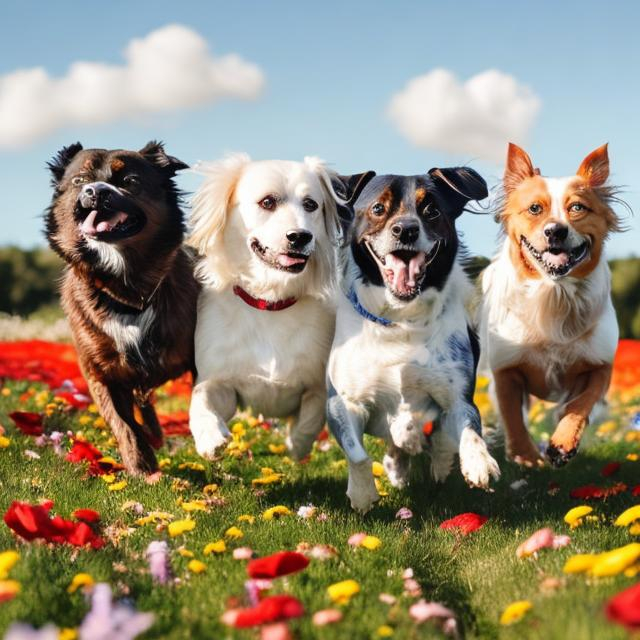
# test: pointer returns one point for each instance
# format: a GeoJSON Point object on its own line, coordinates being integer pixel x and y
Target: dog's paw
{"type": "Point", "coordinates": [557, 455]}
{"type": "Point", "coordinates": [361, 488]}
{"type": "Point", "coordinates": [476, 463]}
{"type": "Point", "coordinates": [397, 469]}
{"type": "Point", "coordinates": [208, 444]}
{"type": "Point", "coordinates": [299, 447]}
{"type": "Point", "coordinates": [405, 433]}
{"type": "Point", "coordinates": [442, 451]}
{"type": "Point", "coordinates": [525, 454]}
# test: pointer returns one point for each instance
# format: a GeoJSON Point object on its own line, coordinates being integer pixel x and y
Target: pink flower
{"type": "Point", "coordinates": [356, 539]}
{"type": "Point", "coordinates": [159, 566]}
{"type": "Point", "coordinates": [326, 616]}
{"type": "Point", "coordinates": [404, 514]}
{"type": "Point", "coordinates": [243, 553]}
{"type": "Point", "coordinates": [541, 539]}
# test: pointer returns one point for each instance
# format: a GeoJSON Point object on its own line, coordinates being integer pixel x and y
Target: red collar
{"type": "Point", "coordinates": [263, 305]}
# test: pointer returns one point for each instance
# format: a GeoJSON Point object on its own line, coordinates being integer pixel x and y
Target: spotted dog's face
{"type": "Point", "coordinates": [112, 197]}
{"type": "Point", "coordinates": [557, 226]}
{"type": "Point", "coordinates": [404, 235]}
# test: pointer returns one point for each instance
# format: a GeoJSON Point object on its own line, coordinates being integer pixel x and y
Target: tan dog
{"type": "Point", "coordinates": [548, 325]}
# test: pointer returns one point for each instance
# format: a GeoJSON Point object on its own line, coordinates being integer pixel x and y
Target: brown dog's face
{"type": "Point", "coordinates": [557, 226]}
{"type": "Point", "coordinates": [113, 199]}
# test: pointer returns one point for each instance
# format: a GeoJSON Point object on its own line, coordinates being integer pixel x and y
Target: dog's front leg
{"type": "Point", "coordinates": [311, 419]}
{"type": "Point", "coordinates": [462, 423]}
{"type": "Point", "coordinates": [511, 392]}
{"type": "Point", "coordinates": [588, 390]}
{"type": "Point", "coordinates": [116, 407]}
{"type": "Point", "coordinates": [347, 425]}
{"type": "Point", "coordinates": [212, 406]}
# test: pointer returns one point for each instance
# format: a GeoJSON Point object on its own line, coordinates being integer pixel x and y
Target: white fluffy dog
{"type": "Point", "coordinates": [267, 233]}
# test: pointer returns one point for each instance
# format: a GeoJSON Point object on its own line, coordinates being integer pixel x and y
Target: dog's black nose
{"type": "Point", "coordinates": [298, 238]}
{"type": "Point", "coordinates": [407, 231]}
{"type": "Point", "coordinates": [556, 231]}
{"type": "Point", "coordinates": [94, 194]}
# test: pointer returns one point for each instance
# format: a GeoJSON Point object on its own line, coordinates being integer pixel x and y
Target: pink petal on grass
{"type": "Point", "coordinates": [541, 539]}
{"type": "Point", "coordinates": [326, 616]}
{"type": "Point", "coordinates": [356, 539]}
{"type": "Point", "coordinates": [422, 611]}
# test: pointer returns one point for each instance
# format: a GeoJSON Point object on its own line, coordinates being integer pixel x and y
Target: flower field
{"type": "Point", "coordinates": [254, 545]}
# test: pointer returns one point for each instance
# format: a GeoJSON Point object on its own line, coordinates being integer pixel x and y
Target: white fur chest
{"type": "Point", "coordinates": [128, 330]}
{"type": "Point", "coordinates": [268, 357]}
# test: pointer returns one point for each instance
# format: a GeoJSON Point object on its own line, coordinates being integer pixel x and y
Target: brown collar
{"type": "Point", "coordinates": [138, 306]}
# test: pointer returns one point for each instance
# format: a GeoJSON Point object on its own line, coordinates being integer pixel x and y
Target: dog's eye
{"type": "Point", "coordinates": [132, 183]}
{"type": "Point", "coordinates": [76, 181]}
{"type": "Point", "coordinates": [577, 207]}
{"type": "Point", "coordinates": [430, 212]}
{"type": "Point", "coordinates": [535, 209]}
{"type": "Point", "coordinates": [309, 204]}
{"type": "Point", "coordinates": [269, 203]}
{"type": "Point", "coordinates": [377, 209]}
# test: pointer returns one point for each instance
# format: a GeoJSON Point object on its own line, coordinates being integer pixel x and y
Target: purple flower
{"type": "Point", "coordinates": [404, 514]}
{"type": "Point", "coordinates": [159, 566]}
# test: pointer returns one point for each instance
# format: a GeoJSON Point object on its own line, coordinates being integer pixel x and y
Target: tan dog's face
{"type": "Point", "coordinates": [557, 226]}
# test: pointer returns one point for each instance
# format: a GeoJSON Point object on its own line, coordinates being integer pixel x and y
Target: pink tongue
{"type": "Point", "coordinates": [557, 260]}
{"type": "Point", "coordinates": [89, 226]}
{"type": "Point", "coordinates": [289, 261]}
{"type": "Point", "coordinates": [403, 275]}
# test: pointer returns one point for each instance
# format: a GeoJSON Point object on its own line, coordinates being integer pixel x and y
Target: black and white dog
{"type": "Point", "coordinates": [404, 353]}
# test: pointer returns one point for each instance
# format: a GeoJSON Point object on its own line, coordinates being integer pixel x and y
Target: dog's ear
{"type": "Point", "coordinates": [350, 187]}
{"type": "Point", "coordinates": [154, 152]}
{"type": "Point", "coordinates": [459, 185]}
{"type": "Point", "coordinates": [210, 205]}
{"type": "Point", "coordinates": [59, 163]}
{"type": "Point", "coordinates": [595, 167]}
{"type": "Point", "coordinates": [518, 167]}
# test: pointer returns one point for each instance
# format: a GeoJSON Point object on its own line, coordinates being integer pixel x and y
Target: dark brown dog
{"type": "Point", "coordinates": [128, 289]}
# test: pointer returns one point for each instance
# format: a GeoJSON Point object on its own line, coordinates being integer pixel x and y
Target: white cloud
{"type": "Point", "coordinates": [171, 68]}
{"type": "Point", "coordinates": [475, 118]}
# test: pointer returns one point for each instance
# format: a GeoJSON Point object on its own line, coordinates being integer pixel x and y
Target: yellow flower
{"type": "Point", "coordinates": [215, 547]}
{"type": "Point", "coordinates": [6, 391]}
{"type": "Point", "coordinates": [81, 580]}
{"type": "Point", "coordinates": [9, 589]}
{"type": "Point", "coordinates": [616, 561]}
{"type": "Point", "coordinates": [67, 633]}
{"type": "Point", "coordinates": [185, 553]}
{"type": "Point", "coordinates": [252, 421]}
{"type": "Point", "coordinates": [164, 463]}
{"type": "Point", "coordinates": [4, 442]}
{"type": "Point", "coordinates": [194, 505]}
{"type": "Point", "coordinates": [180, 526]}
{"type": "Point", "coordinates": [246, 518]}
{"type": "Point", "coordinates": [118, 486]}
{"type": "Point", "coordinates": [208, 489]}
{"type": "Point", "coordinates": [628, 517]}
{"type": "Point", "coordinates": [580, 563]}
{"type": "Point", "coordinates": [385, 631]}
{"type": "Point", "coordinates": [233, 532]}
{"type": "Point", "coordinates": [277, 449]}
{"type": "Point", "coordinates": [515, 612]}
{"type": "Point", "coordinates": [634, 529]}
{"type": "Point", "coordinates": [342, 592]}
{"type": "Point", "coordinates": [92, 408]}
{"type": "Point", "coordinates": [7, 561]}
{"type": "Point", "coordinates": [99, 423]}
{"type": "Point", "coordinates": [632, 571]}
{"type": "Point", "coordinates": [108, 478]}
{"type": "Point", "coordinates": [85, 420]}
{"type": "Point", "coordinates": [574, 516]}
{"type": "Point", "coordinates": [270, 479]}
{"type": "Point", "coordinates": [238, 430]}
{"type": "Point", "coordinates": [276, 512]}
{"type": "Point", "coordinates": [193, 466]}
{"type": "Point", "coordinates": [371, 542]}
{"type": "Point", "coordinates": [382, 492]}
{"type": "Point", "coordinates": [632, 457]}
{"type": "Point", "coordinates": [607, 427]}
{"type": "Point", "coordinates": [196, 566]}
{"type": "Point", "coordinates": [377, 469]}
{"type": "Point", "coordinates": [155, 517]}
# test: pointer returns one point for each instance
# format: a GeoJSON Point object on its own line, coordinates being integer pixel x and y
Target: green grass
{"type": "Point", "coordinates": [477, 576]}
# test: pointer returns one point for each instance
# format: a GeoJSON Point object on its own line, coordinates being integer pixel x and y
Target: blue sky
{"type": "Point", "coordinates": [330, 70]}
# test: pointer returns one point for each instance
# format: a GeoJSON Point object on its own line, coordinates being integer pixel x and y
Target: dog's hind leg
{"type": "Point", "coordinates": [212, 406]}
{"type": "Point", "coordinates": [397, 464]}
{"type": "Point", "coordinates": [311, 419]}
{"type": "Point", "coordinates": [442, 450]}
{"type": "Point", "coordinates": [347, 425]}
{"type": "Point", "coordinates": [116, 407]}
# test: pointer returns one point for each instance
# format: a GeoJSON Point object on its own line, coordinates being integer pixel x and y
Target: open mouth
{"type": "Point", "coordinates": [290, 261]}
{"type": "Point", "coordinates": [404, 270]}
{"type": "Point", "coordinates": [110, 225]}
{"type": "Point", "coordinates": [556, 261]}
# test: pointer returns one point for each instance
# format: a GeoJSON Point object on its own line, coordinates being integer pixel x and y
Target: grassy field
{"type": "Point", "coordinates": [476, 575]}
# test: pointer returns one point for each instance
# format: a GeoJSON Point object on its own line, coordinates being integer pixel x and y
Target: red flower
{"type": "Point", "coordinates": [76, 400]}
{"type": "Point", "coordinates": [82, 450]}
{"type": "Point", "coordinates": [87, 515]}
{"type": "Point", "coordinates": [609, 469]}
{"type": "Point", "coordinates": [465, 523]}
{"type": "Point", "coordinates": [29, 423]}
{"type": "Point", "coordinates": [276, 565]}
{"type": "Point", "coordinates": [271, 609]}
{"type": "Point", "coordinates": [588, 492]}
{"type": "Point", "coordinates": [624, 608]}
{"type": "Point", "coordinates": [636, 490]}
{"type": "Point", "coordinates": [32, 522]}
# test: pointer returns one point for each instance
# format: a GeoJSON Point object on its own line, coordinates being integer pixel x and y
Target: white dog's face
{"type": "Point", "coordinates": [271, 225]}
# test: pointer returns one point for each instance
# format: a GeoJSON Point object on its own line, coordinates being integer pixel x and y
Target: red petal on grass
{"type": "Point", "coordinates": [28, 422]}
{"type": "Point", "coordinates": [276, 565]}
{"type": "Point", "coordinates": [82, 450]}
{"type": "Point", "coordinates": [624, 608]}
{"type": "Point", "coordinates": [636, 490]}
{"type": "Point", "coordinates": [609, 469]}
{"type": "Point", "coordinates": [175, 424]}
{"type": "Point", "coordinates": [76, 400]}
{"type": "Point", "coordinates": [87, 515]}
{"type": "Point", "coordinates": [32, 522]}
{"type": "Point", "coordinates": [271, 609]}
{"type": "Point", "coordinates": [465, 523]}
{"type": "Point", "coordinates": [587, 492]}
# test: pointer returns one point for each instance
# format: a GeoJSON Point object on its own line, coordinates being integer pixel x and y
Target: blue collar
{"type": "Point", "coordinates": [353, 299]}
